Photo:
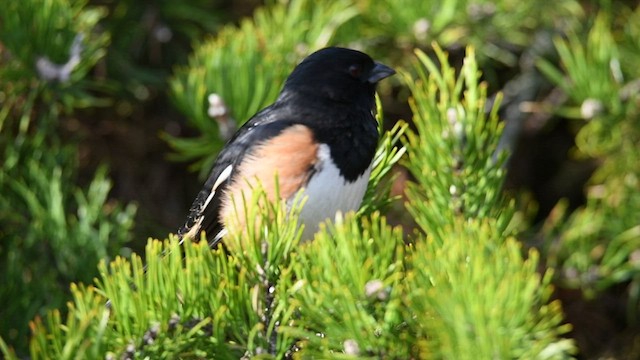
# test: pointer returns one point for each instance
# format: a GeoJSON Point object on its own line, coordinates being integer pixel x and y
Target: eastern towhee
{"type": "Point", "coordinates": [320, 136]}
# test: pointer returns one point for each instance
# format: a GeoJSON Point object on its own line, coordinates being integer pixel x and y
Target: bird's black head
{"type": "Point", "coordinates": [339, 75]}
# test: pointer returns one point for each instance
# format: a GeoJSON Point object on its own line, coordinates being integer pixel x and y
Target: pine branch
{"type": "Point", "coordinates": [389, 153]}
{"type": "Point", "coordinates": [453, 150]}
{"type": "Point", "coordinates": [596, 246]}
{"type": "Point", "coordinates": [497, 29]}
{"type": "Point", "coordinates": [47, 48]}
{"type": "Point", "coordinates": [465, 263]}
{"type": "Point", "coordinates": [348, 293]}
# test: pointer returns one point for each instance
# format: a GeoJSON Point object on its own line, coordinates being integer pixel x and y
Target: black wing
{"type": "Point", "coordinates": [204, 214]}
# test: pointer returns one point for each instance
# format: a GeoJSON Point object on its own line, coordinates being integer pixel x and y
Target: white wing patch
{"type": "Point", "coordinates": [329, 193]}
{"type": "Point", "coordinates": [194, 231]}
{"type": "Point", "coordinates": [224, 175]}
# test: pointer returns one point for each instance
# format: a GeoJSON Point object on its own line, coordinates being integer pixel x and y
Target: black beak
{"type": "Point", "coordinates": [379, 72]}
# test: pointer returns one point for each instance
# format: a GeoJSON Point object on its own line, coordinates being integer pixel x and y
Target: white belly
{"type": "Point", "coordinates": [328, 193]}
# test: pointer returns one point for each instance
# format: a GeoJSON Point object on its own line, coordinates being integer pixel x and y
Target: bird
{"type": "Point", "coordinates": [319, 137]}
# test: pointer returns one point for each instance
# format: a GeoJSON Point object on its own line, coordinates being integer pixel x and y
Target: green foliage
{"type": "Point", "coordinates": [150, 37]}
{"type": "Point", "coordinates": [458, 173]}
{"type": "Point", "coordinates": [456, 285]}
{"type": "Point", "coordinates": [466, 262]}
{"type": "Point", "coordinates": [189, 301]}
{"type": "Point", "coordinates": [53, 230]}
{"type": "Point", "coordinates": [39, 36]}
{"type": "Point", "coordinates": [349, 292]}
{"type": "Point", "coordinates": [134, 301]}
{"type": "Point", "coordinates": [378, 195]}
{"type": "Point", "coordinates": [41, 203]}
{"type": "Point", "coordinates": [362, 288]}
{"type": "Point", "coordinates": [592, 71]}
{"type": "Point", "coordinates": [495, 28]}
{"type": "Point", "coordinates": [596, 246]}
{"type": "Point", "coordinates": [50, 27]}
{"type": "Point", "coordinates": [246, 66]}
{"type": "Point", "coordinates": [355, 291]}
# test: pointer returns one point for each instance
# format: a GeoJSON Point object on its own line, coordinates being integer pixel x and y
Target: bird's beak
{"type": "Point", "coordinates": [379, 72]}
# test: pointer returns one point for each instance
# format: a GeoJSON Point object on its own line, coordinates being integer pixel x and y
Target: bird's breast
{"type": "Point", "coordinates": [328, 192]}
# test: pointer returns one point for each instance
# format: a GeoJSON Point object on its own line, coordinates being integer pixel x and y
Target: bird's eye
{"type": "Point", "coordinates": [355, 70]}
